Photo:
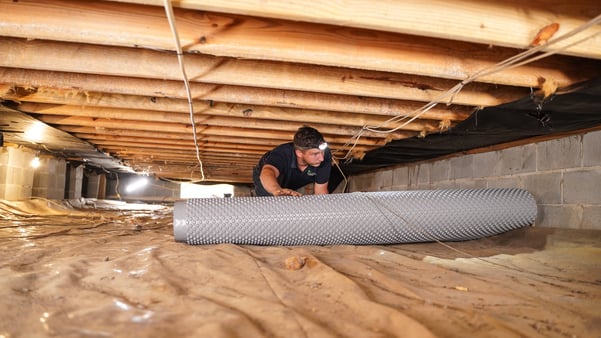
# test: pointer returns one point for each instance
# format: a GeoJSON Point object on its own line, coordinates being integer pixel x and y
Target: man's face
{"type": "Point", "coordinates": [312, 157]}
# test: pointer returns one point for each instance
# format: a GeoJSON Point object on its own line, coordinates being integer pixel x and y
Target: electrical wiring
{"type": "Point", "coordinates": [180, 58]}
{"type": "Point", "coordinates": [117, 186]}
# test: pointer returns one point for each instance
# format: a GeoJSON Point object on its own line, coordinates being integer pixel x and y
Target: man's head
{"type": "Point", "coordinates": [309, 146]}
{"type": "Point", "coordinates": [308, 138]}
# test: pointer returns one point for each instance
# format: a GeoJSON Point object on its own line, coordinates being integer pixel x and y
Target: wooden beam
{"type": "Point", "coordinates": [188, 147]}
{"type": "Point", "coordinates": [190, 173]}
{"type": "Point", "coordinates": [182, 171]}
{"type": "Point", "coordinates": [223, 165]}
{"type": "Point", "coordinates": [258, 125]}
{"type": "Point", "coordinates": [217, 160]}
{"type": "Point", "coordinates": [219, 165]}
{"type": "Point", "coordinates": [209, 159]}
{"type": "Point", "coordinates": [140, 120]}
{"type": "Point", "coordinates": [122, 124]}
{"type": "Point", "coordinates": [109, 126]}
{"type": "Point", "coordinates": [278, 40]}
{"type": "Point", "coordinates": [511, 23]}
{"type": "Point", "coordinates": [70, 97]}
{"type": "Point", "coordinates": [88, 89]}
{"type": "Point", "coordinates": [231, 115]}
{"type": "Point", "coordinates": [91, 59]}
{"type": "Point", "coordinates": [207, 142]}
{"type": "Point", "coordinates": [166, 151]}
{"type": "Point", "coordinates": [163, 135]}
{"type": "Point", "coordinates": [207, 156]}
{"type": "Point", "coordinates": [219, 134]}
{"type": "Point", "coordinates": [152, 151]}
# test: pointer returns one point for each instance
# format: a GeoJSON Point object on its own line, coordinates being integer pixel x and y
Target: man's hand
{"type": "Point", "coordinates": [286, 192]}
{"type": "Point", "coordinates": [269, 175]}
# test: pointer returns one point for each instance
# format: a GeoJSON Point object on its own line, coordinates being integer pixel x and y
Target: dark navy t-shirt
{"type": "Point", "coordinates": [283, 158]}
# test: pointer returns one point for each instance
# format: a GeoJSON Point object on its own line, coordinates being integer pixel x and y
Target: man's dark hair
{"type": "Point", "coordinates": [307, 138]}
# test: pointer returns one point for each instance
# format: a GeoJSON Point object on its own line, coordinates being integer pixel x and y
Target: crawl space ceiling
{"type": "Point", "coordinates": [199, 90]}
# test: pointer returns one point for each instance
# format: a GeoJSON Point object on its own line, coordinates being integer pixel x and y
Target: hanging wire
{"type": "Point", "coordinates": [180, 59]}
{"type": "Point", "coordinates": [337, 165]}
{"type": "Point", "coordinates": [448, 96]}
{"type": "Point", "coordinates": [117, 186]}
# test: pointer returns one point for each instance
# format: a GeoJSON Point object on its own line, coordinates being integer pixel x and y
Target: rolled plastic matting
{"type": "Point", "coordinates": [361, 218]}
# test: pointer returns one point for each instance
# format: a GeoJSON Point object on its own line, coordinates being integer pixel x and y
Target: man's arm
{"type": "Point", "coordinates": [320, 188]}
{"type": "Point", "coordinates": [269, 180]}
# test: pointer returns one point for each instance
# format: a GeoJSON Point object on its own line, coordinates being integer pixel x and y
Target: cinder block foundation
{"type": "Point", "coordinates": [563, 174]}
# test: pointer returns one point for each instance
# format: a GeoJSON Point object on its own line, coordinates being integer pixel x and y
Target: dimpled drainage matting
{"type": "Point", "coordinates": [354, 218]}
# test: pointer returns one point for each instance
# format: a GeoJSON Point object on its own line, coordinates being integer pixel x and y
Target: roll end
{"type": "Point", "coordinates": [180, 225]}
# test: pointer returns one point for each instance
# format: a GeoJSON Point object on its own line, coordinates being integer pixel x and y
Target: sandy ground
{"type": "Point", "coordinates": [115, 271]}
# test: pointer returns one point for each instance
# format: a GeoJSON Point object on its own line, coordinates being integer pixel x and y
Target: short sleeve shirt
{"type": "Point", "coordinates": [283, 158]}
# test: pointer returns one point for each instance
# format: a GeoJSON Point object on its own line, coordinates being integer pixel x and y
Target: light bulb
{"type": "Point", "coordinates": [35, 162]}
{"type": "Point", "coordinates": [138, 184]}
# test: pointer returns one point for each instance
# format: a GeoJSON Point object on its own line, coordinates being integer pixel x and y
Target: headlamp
{"type": "Point", "coordinates": [323, 145]}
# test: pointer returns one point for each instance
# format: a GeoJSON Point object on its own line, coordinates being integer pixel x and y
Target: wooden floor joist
{"type": "Point", "coordinates": [108, 74]}
{"type": "Point", "coordinates": [511, 23]}
{"type": "Point", "coordinates": [277, 40]}
{"type": "Point", "coordinates": [35, 86]}
{"type": "Point", "coordinates": [120, 61]}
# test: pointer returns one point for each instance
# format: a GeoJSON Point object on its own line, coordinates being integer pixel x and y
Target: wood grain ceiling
{"type": "Point", "coordinates": [107, 72]}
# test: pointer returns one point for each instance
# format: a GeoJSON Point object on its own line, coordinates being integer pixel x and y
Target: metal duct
{"type": "Point", "coordinates": [360, 218]}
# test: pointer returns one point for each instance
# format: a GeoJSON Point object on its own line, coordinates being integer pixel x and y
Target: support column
{"type": "Point", "coordinates": [75, 181]}
{"type": "Point", "coordinates": [95, 185]}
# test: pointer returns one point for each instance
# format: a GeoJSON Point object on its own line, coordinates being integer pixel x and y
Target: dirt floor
{"type": "Point", "coordinates": [114, 270]}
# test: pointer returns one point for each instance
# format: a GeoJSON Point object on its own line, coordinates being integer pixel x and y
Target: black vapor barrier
{"type": "Point", "coordinates": [572, 108]}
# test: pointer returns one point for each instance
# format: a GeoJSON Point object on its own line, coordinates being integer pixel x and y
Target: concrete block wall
{"type": "Point", "coordinates": [57, 179]}
{"type": "Point", "coordinates": [16, 173]}
{"type": "Point", "coordinates": [563, 175]}
{"type": "Point", "coordinates": [18, 180]}
{"type": "Point", "coordinates": [49, 178]}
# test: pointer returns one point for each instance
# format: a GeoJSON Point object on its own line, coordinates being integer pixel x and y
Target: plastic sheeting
{"type": "Point", "coordinates": [117, 271]}
{"type": "Point", "coordinates": [570, 109]}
